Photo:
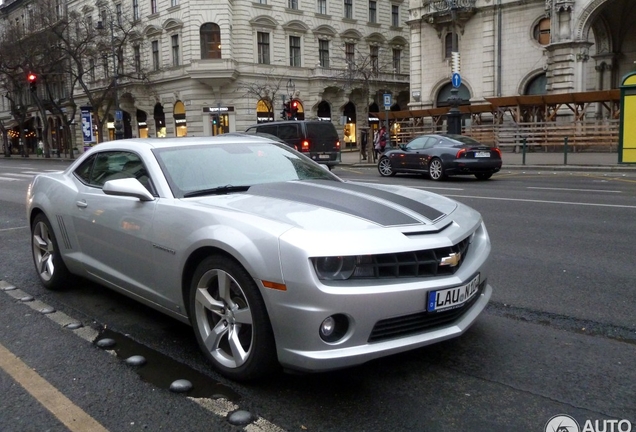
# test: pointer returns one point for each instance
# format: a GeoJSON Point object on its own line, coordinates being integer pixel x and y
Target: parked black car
{"type": "Point", "coordinates": [317, 139]}
{"type": "Point", "coordinates": [441, 155]}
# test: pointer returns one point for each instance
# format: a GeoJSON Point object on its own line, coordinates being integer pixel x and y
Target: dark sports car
{"type": "Point", "coordinates": [442, 155]}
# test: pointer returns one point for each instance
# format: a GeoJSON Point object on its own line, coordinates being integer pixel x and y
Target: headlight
{"type": "Point", "coordinates": [334, 268]}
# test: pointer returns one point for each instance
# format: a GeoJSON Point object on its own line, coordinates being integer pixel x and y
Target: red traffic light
{"type": "Point", "coordinates": [31, 77]}
{"type": "Point", "coordinates": [295, 104]}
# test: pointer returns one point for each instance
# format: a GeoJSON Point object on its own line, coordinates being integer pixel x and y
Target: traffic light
{"type": "Point", "coordinates": [32, 79]}
{"type": "Point", "coordinates": [455, 63]}
{"type": "Point", "coordinates": [215, 119]}
{"type": "Point", "coordinates": [286, 111]}
{"type": "Point", "coordinates": [294, 109]}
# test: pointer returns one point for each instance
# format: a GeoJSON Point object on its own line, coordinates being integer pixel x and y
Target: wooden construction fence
{"type": "Point", "coordinates": [589, 121]}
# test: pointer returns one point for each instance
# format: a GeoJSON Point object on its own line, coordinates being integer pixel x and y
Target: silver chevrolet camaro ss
{"type": "Point", "coordinates": [272, 259]}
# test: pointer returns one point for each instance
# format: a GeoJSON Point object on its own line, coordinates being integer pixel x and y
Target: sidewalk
{"type": "Point", "coordinates": [581, 161]}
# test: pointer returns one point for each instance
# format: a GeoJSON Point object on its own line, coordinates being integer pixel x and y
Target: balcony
{"type": "Point", "coordinates": [442, 13]}
{"type": "Point", "coordinates": [343, 74]}
{"type": "Point", "coordinates": [213, 71]}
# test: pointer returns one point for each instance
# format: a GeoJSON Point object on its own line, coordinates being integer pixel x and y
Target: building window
{"type": "Point", "coordinates": [174, 3]}
{"type": "Point", "coordinates": [372, 11]}
{"type": "Point", "coordinates": [135, 8]}
{"type": "Point", "coordinates": [350, 54]}
{"type": "Point", "coordinates": [153, 6]}
{"type": "Point", "coordinates": [263, 47]}
{"type": "Point", "coordinates": [292, 4]}
{"type": "Point", "coordinates": [262, 2]}
{"type": "Point", "coordinates": [397, 55]}
{"type": "Point", "coordinates": [105, 66]}
{"type": "Point", "coordinates": [450, 41]}
{"type": "Point", "coordinates": [175, 50]}
{"type": "Point", "coordinates": [541, 31]}
{"type": "Point", "coordinates": [294, 51]}
{"type": "Point", "coordinates": [118, 13]}
{"type": "Point", "coordinates": [323, 53]}
{"type": "Point", "coordinates": [395, 16]}
{"type": "Point", "coordinates": [137, 55]}
{"type": "Point", "coordinates": [155, 55]}
{"type": "Point", "coordinates": [91, 69]}
{"type": "Point", "coordinates": [322, 7]}
{"type": "Point", "coordinates": [348, 9]}
{"type": "Point", "coordinates": [103, 17]}
{"type": "Point", "coordinates": [373, 57]}
{"type": "Point", "coordinates": [210, 34]}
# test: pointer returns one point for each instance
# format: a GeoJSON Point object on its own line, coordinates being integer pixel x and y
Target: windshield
{"type": "Point", "coordinates": [197, 168]}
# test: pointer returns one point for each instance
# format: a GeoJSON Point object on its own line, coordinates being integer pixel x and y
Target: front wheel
{"type": "Point", "coordinates": [483, 176]}
{"type": "Point", "coordinates": [385, 168]}
{"type": "Point", "coordinates": [230, 320]}
{"type": "Point", "coordinates": [436, 170]}
{"type": "Point", "coordinates": [48, 262]}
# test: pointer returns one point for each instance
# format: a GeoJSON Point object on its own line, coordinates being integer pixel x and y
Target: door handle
{"type": "Point", "coordinates": [81, 204]}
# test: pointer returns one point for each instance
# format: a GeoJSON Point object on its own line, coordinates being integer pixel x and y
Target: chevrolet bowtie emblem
{"type": "Point", "coordinates": [451, 260]}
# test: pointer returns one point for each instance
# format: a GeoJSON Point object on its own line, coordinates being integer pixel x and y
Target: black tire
{"type": "Point", "coordinates": [230, 320]}
{"type": "Point", "coordinates": [483, 176]}
{"type": "Point", "coordinates": [384, 167]}
{"type": "Point", "coordinates": [436, 169]}
{"type": "Point", "coordinates": [48, 262]}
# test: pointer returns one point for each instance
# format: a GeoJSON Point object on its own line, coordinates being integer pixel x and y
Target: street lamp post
{"type": "Point", "coordinates": [119, 127]}
{"type": "Point", "coordinates": [454, 7]}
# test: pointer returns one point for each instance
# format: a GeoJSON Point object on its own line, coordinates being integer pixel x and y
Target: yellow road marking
{"type": "Point", "coordinates": [72, 416]}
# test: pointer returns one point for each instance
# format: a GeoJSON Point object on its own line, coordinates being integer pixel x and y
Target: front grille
{"type": "Point", "coordinates": [423, 263]}
{"type": "Point", "coordinates": [407, 325]}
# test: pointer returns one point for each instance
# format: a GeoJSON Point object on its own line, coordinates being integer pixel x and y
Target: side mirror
{"type": "Point", "coordinates": [129, 187]}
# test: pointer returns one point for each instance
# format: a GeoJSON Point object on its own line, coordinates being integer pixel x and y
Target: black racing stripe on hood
{"type": "Point", "coordinates": [422, 209]}
{"type": "Point", "coordinates": [343, 201]}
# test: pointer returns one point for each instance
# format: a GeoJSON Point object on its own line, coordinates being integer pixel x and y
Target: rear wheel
{"type": "Point", "coordinates": [385, 168]}
{"type": "Point", "coordinates": [436, 170]}
{"type": "Point", "coordinates": [51, 269]}
{"type": "Point", "coordinates": [230, 320]}
{"type": "Point", "coordinates": [483, 176]}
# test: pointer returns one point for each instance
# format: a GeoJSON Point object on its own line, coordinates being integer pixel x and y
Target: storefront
{"type": "Point", "coordinates": [218, 120]}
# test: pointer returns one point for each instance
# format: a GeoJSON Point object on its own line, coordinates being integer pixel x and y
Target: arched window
{"type": "Point", "coordinates": [445, 92]}
{"type": "Point", "coordinates": [264, 111]}
{"type": "Point", "coordinates": [324, 110]}
{"type": "Point", "coordinates": [210, 34]}
{"type": "Point", "coordinates": [179, 115]}
{"type": "Point", "coordinates": [537, 86]}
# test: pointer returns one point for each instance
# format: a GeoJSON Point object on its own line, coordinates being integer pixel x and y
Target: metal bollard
{"type": "Point", "coordinates": [523, 151]}
{"type": "Point", "coordinates": [565, 151]}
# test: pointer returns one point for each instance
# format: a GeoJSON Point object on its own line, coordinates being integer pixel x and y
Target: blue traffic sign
{"type": "Point", "coordinates": [457, 80]}
{"type": "Point", "coordinates": [387, 100]}
{"type": "Point", "coordinates": [119, 115]}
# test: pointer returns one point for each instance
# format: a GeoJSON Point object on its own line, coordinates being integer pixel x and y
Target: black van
{"type": "Point", "coordinates": [317, 139]}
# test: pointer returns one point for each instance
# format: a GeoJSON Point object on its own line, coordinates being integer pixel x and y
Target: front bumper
{"type": "Point", "coordinates": [341, 357]}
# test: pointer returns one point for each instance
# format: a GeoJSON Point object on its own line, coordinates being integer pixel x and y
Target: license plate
{"type": "Point", "coordinates": [323, 156]}
{"type": "Point", "coordinates": [452, 298]}
{"type": "Point", "coordinates": [482, 154]}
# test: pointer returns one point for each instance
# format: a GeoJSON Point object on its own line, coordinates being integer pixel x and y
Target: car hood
{"type": "Point", "coordinates": [331, 205]}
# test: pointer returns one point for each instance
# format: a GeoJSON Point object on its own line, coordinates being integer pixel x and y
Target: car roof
{"type": "Point", "coordinates": [158, 143]}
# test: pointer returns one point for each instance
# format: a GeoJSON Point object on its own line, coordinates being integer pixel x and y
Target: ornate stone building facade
{"type": "Point", "coordinates": [218, 67]}
{"type": "Point", "coordinates": [519, 47]}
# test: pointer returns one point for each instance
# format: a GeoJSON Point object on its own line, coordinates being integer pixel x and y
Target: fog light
{"type": "Point", "coordinates": [334, 328]}
{"type": "Point", "coordinates": [327, 327]}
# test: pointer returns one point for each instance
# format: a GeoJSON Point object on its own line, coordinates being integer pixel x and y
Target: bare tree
{"type": "Point", "coordinates": [266, 90]}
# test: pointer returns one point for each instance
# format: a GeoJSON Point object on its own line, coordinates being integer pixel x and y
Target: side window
{"type": "Point", "coordinates": [83, 171]}
{"type": "Point", "coordinates": [269, 129]}
{"type": "Point", "coordinates": [119, 165]}
{"type": "Point", "coordinates": [418, 143]}
{"type": "Point", "coordinates": [432, 142]}
{"type": "Point", "coordinates": [288, 131]}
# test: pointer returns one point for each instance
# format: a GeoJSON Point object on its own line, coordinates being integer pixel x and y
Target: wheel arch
{"type": "Point", "coordinates": [191, 264]}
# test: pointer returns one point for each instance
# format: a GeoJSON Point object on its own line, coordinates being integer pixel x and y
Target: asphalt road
{"type": "Point", "coordinates": [558, 337]}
